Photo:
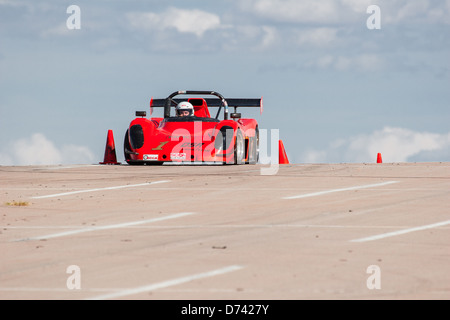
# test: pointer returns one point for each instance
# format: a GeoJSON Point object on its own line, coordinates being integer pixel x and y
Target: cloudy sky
{"type": "Point", "coordinates": [340, 82]}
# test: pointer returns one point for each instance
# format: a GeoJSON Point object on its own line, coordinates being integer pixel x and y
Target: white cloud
{"type": "Point", "coordinates": [342, 63]}
{"type": "Point", "coordinates": [292, 10]}
{"type": "Point", "coordinates": [307, 11]}
{"type": "Point", "coordinates": [12, 3]}
{"type": "Point", "coordinates": [270, 36]}
{"type": "Point", "coordinates": [347, 11]}
{"type": "Point", "coordinates": [359, 6]}
{"type": "Point", "coordinates": [59, 30]}
{"type": "Point", "coordinates": [395, 145]}
{"type": "Point", "coordinates": [418, 11]}
{"type": "Point", "coordinates": [396, 12]}
{"type": "Point", "coordinates": [369, 62]}
{"type": "Point", "coordinates": [319, 37]}
{"type": "Point", "coordinates": [38, 150]}
{"type": "Point", "coordinates": [184, 21]}
{"type": "Point", "coordinates": [362, 62]}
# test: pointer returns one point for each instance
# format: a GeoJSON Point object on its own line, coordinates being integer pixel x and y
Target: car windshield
{"type": "Point", "coordinates": [190, 119]}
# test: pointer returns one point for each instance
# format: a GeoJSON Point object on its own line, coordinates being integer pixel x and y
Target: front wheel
{"type": "Point", "coordinates": [126, 148]}
{"type": "Point", "coordinates": [127, 151]}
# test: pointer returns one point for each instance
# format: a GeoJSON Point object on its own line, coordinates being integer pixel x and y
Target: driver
{"type": "Point", "coordinates": [184, 109]}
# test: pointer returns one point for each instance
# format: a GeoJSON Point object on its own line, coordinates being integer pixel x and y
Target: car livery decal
{"type": "Point", "coordinates": [161, 145]}
{"type": "Point", "coordinates": [196, 145]}
{"type": "Point", "coordinates": [178, 156]}
{"type": "Point", "coordinates": [151, 157]}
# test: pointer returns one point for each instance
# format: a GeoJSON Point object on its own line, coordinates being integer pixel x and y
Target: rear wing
{"type": "Point", "coordinates": [211, 102]}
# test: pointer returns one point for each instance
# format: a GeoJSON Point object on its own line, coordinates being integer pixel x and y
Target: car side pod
{"type": "Point", "coordinates": [282, 156]}
{"type": "Point", "coordinates": [110, 150]}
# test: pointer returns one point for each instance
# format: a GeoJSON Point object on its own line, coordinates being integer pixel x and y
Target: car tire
{"type": "Point", "coordinates": [127, 150]}
{"type": "Point", "coordinates": [254, 148]}
{"type": "Point", "coordinates": [239, 148]}
{"type": "Point", "coordinates": [126, 147]}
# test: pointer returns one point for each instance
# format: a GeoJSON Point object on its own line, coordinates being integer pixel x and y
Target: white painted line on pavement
{"type": "Point", "coordinates": [314, 194]}
{"type": "Point", "coordinates": [60, 289]}
{"type": "Point", "coordinates": [99, 189]}
{"type": "Point", "coordinates": [210, 226]}
{"type": "Point", "coordinates": [399, 232]}
{"type": "Point", "coordinates": [107, 227]}
{"type": "Point", "coordinates": [167, 283]}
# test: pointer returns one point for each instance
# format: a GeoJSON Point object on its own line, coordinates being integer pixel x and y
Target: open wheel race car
{"type": "Point", "coordinates": [196, 137]}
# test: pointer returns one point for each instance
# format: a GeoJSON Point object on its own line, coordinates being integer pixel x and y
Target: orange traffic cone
{"type": "Point", "coordinates": [379, 160]}
{"type": "Point", "coordinates": [110, 150]}
{"type": "Point", "coordinates": [282, 156]}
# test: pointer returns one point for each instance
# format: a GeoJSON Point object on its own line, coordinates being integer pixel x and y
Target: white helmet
{"type": "Point", "coordinates": [184, 106]}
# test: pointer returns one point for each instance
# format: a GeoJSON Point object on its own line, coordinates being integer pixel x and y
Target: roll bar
{"type": "Point", "coordinates": [221, 102]}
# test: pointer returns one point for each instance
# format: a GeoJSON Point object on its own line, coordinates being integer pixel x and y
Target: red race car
{"type": "Point", "coordinates": [191, 135]}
